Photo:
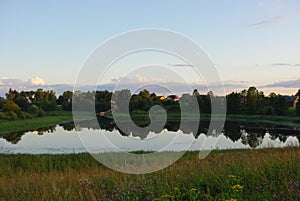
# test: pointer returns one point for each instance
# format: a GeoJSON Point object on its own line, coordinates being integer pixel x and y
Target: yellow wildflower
{"type": "Point", "coordinates": [237, 187]}
{"type": "Point", "coordinates": [193, 189]}
{"type": "Point", "coordinates": [166, 196]}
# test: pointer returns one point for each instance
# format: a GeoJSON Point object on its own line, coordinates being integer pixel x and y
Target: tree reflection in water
{"type": "Point", "coordinates": [251, 134]}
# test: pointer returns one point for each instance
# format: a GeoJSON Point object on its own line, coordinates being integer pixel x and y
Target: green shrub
{"type": "Point", "coordinates": [10, 106]}
{"type": "Point", "coordinates": [34, 110]}
{"type": "Point", "coordinates": [13, 116]}
{"type": "Point", "coordinates": [3, 116]}
{"type": "Point", "coordinates": [24, 115]}
{"type": "Point", "coordinates": [41, 113]}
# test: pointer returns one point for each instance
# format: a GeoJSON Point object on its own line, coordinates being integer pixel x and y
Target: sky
{"type": "Point", "coordinates": [251, 43]}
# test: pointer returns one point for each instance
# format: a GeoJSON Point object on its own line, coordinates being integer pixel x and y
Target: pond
{"type": "Point", "coordinates": [65, 138]}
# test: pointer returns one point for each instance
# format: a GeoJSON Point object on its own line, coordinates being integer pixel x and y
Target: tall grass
{"type": "Point", "coordinates": [263, 174]}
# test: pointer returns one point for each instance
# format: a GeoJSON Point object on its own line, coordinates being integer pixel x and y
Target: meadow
{"type": "Point", "coordinates": [257, 174]}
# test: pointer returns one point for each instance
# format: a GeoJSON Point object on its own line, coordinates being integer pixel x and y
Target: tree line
{"type": "Point", "coordinates": [29, 104]}
{"type": "Point", "coordinates": [254, 102]}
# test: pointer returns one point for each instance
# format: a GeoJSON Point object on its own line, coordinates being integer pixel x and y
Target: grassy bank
{"type": "Point", "coordinates": [265, 174]}
{"type": "Point", "coordinates": [29, 124]}
{"type": "Point", "coordinates": [143, 117]}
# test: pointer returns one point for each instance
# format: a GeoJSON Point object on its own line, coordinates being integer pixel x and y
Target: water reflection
{"type": "Point", "coordinates": [14, 138]}
{"type": "Point", "coordinates": [250, 134]}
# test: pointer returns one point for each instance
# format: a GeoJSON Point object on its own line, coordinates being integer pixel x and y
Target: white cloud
{"type": "Point", "coordinates": [36, 81]}
{"type": "Point", "coordinates": [18, 84]}
{"type": "Point", "coordinates": [144, 79]}
{"type": "Point", "coordinates": [138, 78]}
{"type": "Point", "coordinates": [11, 82]}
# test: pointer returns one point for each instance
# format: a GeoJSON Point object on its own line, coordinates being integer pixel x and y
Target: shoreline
{"type": "Point", "coordinates": [7, 127]}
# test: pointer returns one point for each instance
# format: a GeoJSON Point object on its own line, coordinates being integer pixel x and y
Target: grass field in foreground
{"type": "Point", "coordinates": [262, 174]}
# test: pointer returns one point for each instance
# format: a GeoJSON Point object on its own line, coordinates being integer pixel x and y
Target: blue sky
{"type": "Point", "coordinates": [250, 42]}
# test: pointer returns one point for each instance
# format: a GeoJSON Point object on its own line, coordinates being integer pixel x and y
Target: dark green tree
{"type": "Point", "coordinates": [45, 100]}
{"type": "Point", "coordinates": [121, 99]}
{"type": "Point", "coordinates": [281, 106]}
{"type": "Point", "coordinates": [254, 103]}
{"type": "Point", "coordinates": [205, 105]}
{"type": "Point", "coordinates": [2, 102]}
{"type": "Point", "coordinates": [65, 100]}
{"type": "Point", "coordinates": [103, 100]}
{"type": "Point", "coordinates": [22, 100]}
{"type": "Point", "coordinates": [196, 95]}
{"type": "Point", "coordinates": [145, 94]}
{"type": "Point", "coordinates": [234, 101]}
{"type": "Point", "coordinates": [137, 102]}
{"type": "Point", "coordinates": [298, 108]}
{"type": "Point", "coordinates": [11, 95]}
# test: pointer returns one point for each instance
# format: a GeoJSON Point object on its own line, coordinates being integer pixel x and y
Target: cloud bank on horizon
{"type": "Point", "coordinates": [139, 82]}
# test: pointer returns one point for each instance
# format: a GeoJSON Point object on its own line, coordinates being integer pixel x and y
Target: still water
{"type": "Point", "coordinates": [66, 139]}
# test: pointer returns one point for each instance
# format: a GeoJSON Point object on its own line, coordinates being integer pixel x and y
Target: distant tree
{"type": "Point", "coordinates": [298, 108]}
{"type": "Point", "coordinates": [2, 102]}
{"type": "Point", "coordinates": [45, 100]}
{"type": "Point", "coordinates": [187, 102]}
{"type": "Point", "coordinates": [196, 93]}
{"type": "Point", "coordinates": [205, 105]}
{"type": "Point", "coordinates": [11, 95]}
{"type": "Point", "coordinates": [186, 98]}
{"type": "Point", "coordinates": [145, 94]}
{"type": "Point", "coordinates": [254, 102]}
{"type": "Point", "coordinates": [22, 100]}
{"type": "Point", "coordinates": [234, 103]}
{"type": "Point", "coordinates": [172, 106]}
{"type": "Point", "coordinates": [103, 100]}
{"type": "Point", "coordinates": [281, 106]}
{"type": "Point", "coordinates": [89, 95]}
{"type": "Point", "coordinates": [121, 99]}
{"type": "Point", "coordinates": [144, 101]}
{"type": "Point", "coordinates": [152, 95]}
{"type": "Point", "coordinates": [137, 102]}
{"type": "Point", "coordinates": [65, 100]}
{"type": "Point", "coordinates": [197, 96]}
{"type": "Point", "coordinates": [270, 103]}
